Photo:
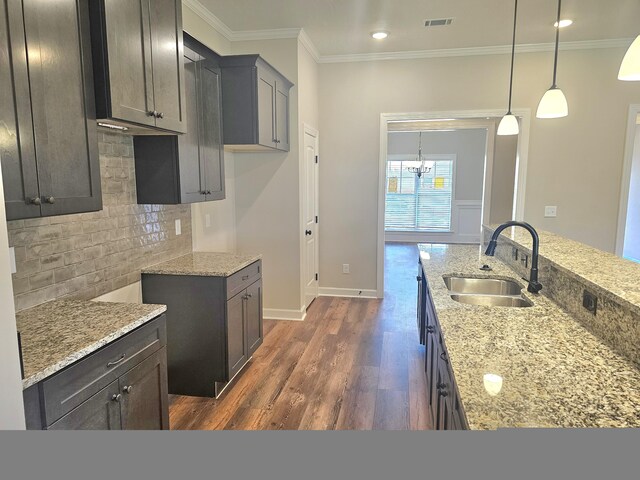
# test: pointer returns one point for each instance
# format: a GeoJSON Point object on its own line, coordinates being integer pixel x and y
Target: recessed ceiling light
{"type": "Point", "coordinates": [564, 23]}
{"type": "Point", "coordinates": [381, 35]}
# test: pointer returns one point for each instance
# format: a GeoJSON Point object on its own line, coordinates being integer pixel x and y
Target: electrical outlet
{"type": "Point", "coordinates": [12, 259]}
{"type": "Point", "coordinates": [590, 302]}
{"type": "Point", "coordinates": [207, 220]}
{"type": "Point", "coordinates": [514, 253]}
{"type": "Point", "coordinates": [551, 212]}
{"type": "Point", "coordinates": [346, 268]}
{"type": "Point", "coordinates": [178, 227]}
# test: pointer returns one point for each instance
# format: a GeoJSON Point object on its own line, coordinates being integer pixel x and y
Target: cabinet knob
{"type": "Point", "coordinates": [50, 200]}
{"type": "Point", "coordinates": [431, 329]}
{"type": "Point", "coordinates": [127, 389]}
{"type": "Point", "coordinates": [152, 113]}
{"type": "Point", "coordinates": [419, 278]}
{"type": "Point", "coordinates": [443, 356]}
{"type": "Point", "coordinates": [440, 386]}
{"type": "Point", "coordinates": [443, 393]}
{"type": "Point", "coordinates": [160, 115]}
{"type": "Point", "coordinates": [35, 201]}
{"type": "Point", "coordinates": [308, 233]}
{"type": "Point", "coordinates": [116, 397]}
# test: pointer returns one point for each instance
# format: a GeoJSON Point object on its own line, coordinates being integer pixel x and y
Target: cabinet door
{"type": "Point", "coordinates": [253, 309]}
{"type": "Point", "coordinates": [266, 108]}
{"type": "Point", "coordinates": [282, 117]}
{"type": "Point", "coordinates": [63, 105]}
{"type": "Point", "coordinates": [17, 151]}
{"type": "Point", "coordinates": [421, 308]}
{"type": "Point", "coordinates": [211, 144]}
{"type": "Point", "coordinates": [237, 354]}
{"type": "Point", "coordinates": [168, 72]}
{"type": "Point", "coordinates": [191, 179]}
{"type": "Point", "coordinates": [100, 412]}
{"type": "Point", "coordinates": [432, 353]}
{"type": "Point", "coordinates": [129, 60]}
{"type": "Point", "coordinates": [145, 394]}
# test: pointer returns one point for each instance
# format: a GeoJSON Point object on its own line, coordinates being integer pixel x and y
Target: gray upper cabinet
{"type": "Point", "coordinates": [48, 133]}
{"type": "Point", "coordinates": [187, 168]}
{"type": "Point", "coordinates": [255, 104]}
{"type": "Point", "coordinates": [137, 50]}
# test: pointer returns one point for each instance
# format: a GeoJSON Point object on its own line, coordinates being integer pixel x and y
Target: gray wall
{"type": "Point", "coordinates": [11, 409]}
{"type": "Point", "coordinates": [89, 254]}
{"type": "Point", "coordinates": [632, 235]}
{"type": "Point", "coordinates": [469, 146]}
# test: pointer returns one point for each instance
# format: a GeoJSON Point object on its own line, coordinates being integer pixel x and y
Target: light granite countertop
{"type": "Point", "coordinates": [204, 264]}
{"type": "Point", "coordinates": [606, 271]}
{"type": "Point", "coordinates": [554, 372]}
{"type": "Point", "coordinates": [57, 334]}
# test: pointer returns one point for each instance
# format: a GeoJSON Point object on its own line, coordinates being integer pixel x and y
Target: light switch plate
{"type": "Point", "coordinates": [12, 259]}
{"type": "Point", "coordinates": [346, 268]}
{"type": "Point", "coordinates": [551, 212]}
{"type": "Point", "coordinates": [207, 220]}
{"type": "Point", "coordinates": [178, 227]}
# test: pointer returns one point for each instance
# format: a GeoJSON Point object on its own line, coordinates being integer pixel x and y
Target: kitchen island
{"type": "Point", "coordinates": [525, 367]}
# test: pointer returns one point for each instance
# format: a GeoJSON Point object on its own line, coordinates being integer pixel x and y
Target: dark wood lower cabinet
{"type": "Point", "coordinates": [444, 402]}
{"type": "Point", "coordinates": [122, 386]}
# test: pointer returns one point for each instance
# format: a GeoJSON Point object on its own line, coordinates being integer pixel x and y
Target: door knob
{"type": "Point", "coordinates": [308, 232]}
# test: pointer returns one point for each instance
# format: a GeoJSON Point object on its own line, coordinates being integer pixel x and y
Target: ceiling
{"type": "Point", "coordinates": [343, 27]}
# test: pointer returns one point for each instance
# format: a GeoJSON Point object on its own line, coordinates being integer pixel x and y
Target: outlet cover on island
{"type": "Point", "coordinates": [550, 212]}
{"type": "Point", "coordinates": [346, 268]}
{"type": "Point", "coordinates": [12, 259]}
{"type": "Point", "coordinates": [178, 227]}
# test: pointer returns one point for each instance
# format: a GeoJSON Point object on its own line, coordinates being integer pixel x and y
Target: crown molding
{"type": "Point", "coordinates": [308, 44]}
{"type": "Point", "coordinates": [205, 14]}
{"type": "Point", "coordinates": [274, 34]}
{"type": "Point", "coordinates": [476, 51]}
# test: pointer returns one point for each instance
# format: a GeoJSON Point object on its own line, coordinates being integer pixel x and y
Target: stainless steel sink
{"type": "Point", "coordinates": [482, 286]}
{"type": "Point", "coordinates": [492, 300]}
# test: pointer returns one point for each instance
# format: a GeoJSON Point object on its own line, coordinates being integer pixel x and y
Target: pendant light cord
{"type": "Point", "coordinates": [555, 62]}
{"type": "Point", "coordinates": [513, 54]}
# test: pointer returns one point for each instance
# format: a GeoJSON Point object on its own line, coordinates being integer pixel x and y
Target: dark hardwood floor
{"type": "Point", "coordinates": [353, 364]}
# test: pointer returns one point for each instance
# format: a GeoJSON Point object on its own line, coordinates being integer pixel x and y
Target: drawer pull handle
{"type": "Point", "coordinates": [245, 277]}
{"type": "Point", "coordinates": [120, 360]}
{"type": "Point", "coordinates": [127, 389]}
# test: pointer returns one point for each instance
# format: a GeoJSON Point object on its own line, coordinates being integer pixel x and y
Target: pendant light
{"type": "Point", "coordinates": [630, 68]}
{"type": "Point", "coordinates": [554, 103]}
{"type": "Point", "coordinates": [509, 123]}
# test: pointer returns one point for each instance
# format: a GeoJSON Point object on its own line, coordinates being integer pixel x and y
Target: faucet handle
{"type": "Point", "coordinates": [534, 287]}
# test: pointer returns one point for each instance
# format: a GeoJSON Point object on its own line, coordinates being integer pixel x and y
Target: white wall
{"type": "Point", "coordinates": [565, 155]}
{"type": "Point", "coordinates": [632, 234]}
{"type": "Point", "coordinates": [11, 407]}
{"type": "Point", "coordinates": [267, 194]}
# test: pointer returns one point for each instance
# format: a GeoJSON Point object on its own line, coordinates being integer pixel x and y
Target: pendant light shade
{"type": "Point", "coordinates": [630, 68]}
{"type": "Point", "coordinates": [554, 103]}
{"type": "Point", "coordinates": [509, 123]}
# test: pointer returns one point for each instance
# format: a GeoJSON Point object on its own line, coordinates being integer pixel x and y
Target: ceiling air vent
{"type": "Point", "coordinates": [438, 22]}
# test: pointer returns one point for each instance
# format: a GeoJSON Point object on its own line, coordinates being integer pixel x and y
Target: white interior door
{"type": "Point", "coordinates": [310, 206]}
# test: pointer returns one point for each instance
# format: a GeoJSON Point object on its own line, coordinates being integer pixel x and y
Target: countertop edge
{"type": "Point", "coordinates": [156, 270]}
{"type": "Point", "coordinates": [80, 354]}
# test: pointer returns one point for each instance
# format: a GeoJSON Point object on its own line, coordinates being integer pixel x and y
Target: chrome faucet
{"type": "Point", "coordinates": [534, 285]}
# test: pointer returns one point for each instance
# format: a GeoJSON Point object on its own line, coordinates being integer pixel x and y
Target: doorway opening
{"type": "Point", "coordinates": [310, 217]}
{"type": "Point", "coordinates": [628, 238]}
{"type": "Point", "coordinates": [445, 174]}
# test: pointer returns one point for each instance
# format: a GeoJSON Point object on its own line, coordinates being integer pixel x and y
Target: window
{"type": "Point", "coordinates": [419, 204]}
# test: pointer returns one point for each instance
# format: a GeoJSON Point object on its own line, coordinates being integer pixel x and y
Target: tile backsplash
{"type": "Point", "coordinates": [85, 255]}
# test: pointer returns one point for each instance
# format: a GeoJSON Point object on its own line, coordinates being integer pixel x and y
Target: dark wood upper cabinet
{"type": "Point", "coordinates": [187, 168]}
{"type": "Point", "coordinates": [48, 132]}
{"type": "Point", "coordinates": [255, 104]}
{"type": "Point", "coordinates": [137, 50]}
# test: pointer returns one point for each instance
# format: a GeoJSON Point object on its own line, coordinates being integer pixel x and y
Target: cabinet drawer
{"type": "Point", "coordinates": [242, 279]}
{"type": "Point", "coordinates": [72, 386]}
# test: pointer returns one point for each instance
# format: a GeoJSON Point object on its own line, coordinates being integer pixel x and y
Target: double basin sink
{"type": "Point", "coordinates": [487, 292]}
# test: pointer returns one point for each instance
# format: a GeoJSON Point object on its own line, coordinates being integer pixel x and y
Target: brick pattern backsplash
{"type": "Point", "coordinates": [86, 255]}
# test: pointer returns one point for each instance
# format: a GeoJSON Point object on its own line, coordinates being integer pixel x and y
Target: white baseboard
{"type": "Point", "coordinates": [293, 315]}
{"type": "Point", "coordinates": [347, 292]}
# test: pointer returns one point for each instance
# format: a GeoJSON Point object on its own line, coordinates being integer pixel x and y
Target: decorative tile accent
{"type": "Point", "coordinates": [85, 255]}
{"type": "Point", "coordinates": [567, 269]}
